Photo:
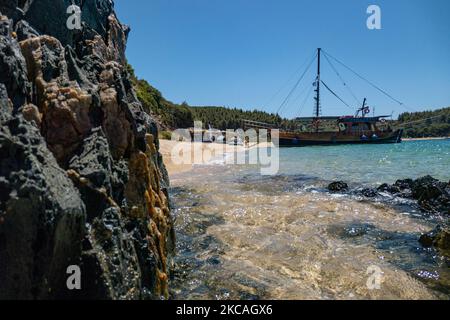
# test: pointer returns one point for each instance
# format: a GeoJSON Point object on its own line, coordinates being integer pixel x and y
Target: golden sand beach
{"type": "Point", "coordinates": [209, 152]}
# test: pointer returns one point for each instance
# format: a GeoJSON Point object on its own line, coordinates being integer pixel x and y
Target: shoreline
{"type": "Point", "coordinates": [425, 139]}
{"type": "Point", "coordinates": [217, 152]}
{"type": "Point", "coordinates": [211, 152]}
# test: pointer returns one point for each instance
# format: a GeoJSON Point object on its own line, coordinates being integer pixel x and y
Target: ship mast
{"type": "Point", "coordinates": [317, 98]}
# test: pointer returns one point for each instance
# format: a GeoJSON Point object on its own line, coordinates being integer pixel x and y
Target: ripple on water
{"type": "Point", "coordinates": [248, 237]}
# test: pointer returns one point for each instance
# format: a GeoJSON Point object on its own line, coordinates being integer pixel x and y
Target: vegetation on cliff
{"type": "Point", "coordinates": [167, 114]}
{"type": "Point", "coordinates": [171, 116]}
{"type": "Point", "coordinates": [426, 123]}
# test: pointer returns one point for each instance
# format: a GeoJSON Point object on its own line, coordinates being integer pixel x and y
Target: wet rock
{"type": "Point", "coordinates": [438, 238]}
{"type": "Point", "coordinates": [337, 186]}
{"type": "Point", "coordinates": [112, 257]}
{"type": "Point", "coordinates": [404, 184]}
{"type": "Point", "coordinates": [432, 195]}
{"type": "Point", "coordinates": [389, 188]}
{"type": "Point", "coordinates": [369, 193]}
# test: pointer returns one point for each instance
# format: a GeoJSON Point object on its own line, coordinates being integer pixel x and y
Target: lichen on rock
{"type": "Point", "coordinates": [81, 178]}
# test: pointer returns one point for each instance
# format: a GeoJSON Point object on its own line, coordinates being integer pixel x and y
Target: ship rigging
{"type": "Point", "coordinates": [356, 129]}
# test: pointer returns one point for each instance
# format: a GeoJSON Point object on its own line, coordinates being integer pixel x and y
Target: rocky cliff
{"type": "Point", "coordinates": [81, 179]}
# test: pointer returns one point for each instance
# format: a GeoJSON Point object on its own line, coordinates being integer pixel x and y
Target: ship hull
{"type": "Point", "coordinates": [334, 138]}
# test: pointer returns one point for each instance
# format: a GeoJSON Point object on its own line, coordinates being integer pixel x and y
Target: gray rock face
{"type": "Point", "coordinates": [41, 216]}
{"type": "Point", "coordinates": [81, 178]}
{"type": "Point", "coordinates": [13, 72]}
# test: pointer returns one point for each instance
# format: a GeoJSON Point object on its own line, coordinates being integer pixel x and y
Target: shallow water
{"type": "Point", "coordinates": [244, 236]}
{"type": "Point", "coordinates": [370, 164]}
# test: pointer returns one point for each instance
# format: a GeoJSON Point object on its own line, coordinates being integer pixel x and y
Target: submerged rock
{"type": "Point", "coordinates": [81, 179]}
{"type": "Point", "coordinates": [369, 193]}
{"type": "Point", "coordinates": [337, 186]}
{"type": "Point", "coordinates": [438, 238]}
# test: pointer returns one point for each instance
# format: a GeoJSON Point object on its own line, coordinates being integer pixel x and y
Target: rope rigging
{"type": "Point", "coordinates": [418, 121]}
{"type": "Point", "coordinates": [304, 101]}
{"type": "Point", "coordinates": [366, 80]}
{"type": "Point", "coordinates": [319, 81]}
{"type": "Point", "coordinates": [298, 98]}
{"type": "Point", "coordinates": [328, 88]}
{"type": "Point", "coordinates": [295, 86]}
{"type": "Point", "coordinates": [287, 81]}
{"type": "Point", "coordinates": [358, 102]}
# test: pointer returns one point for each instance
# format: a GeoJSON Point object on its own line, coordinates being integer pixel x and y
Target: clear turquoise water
{"type": "Point", "coordinates": [370, 164]}
{"type": "Point", "coordinates": [241, 235]}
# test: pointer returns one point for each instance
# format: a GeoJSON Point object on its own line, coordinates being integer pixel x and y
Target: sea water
{"type": "Point", "coordinates": [370, 164]}
{"type": "Point", "coordinates": [241, 235]}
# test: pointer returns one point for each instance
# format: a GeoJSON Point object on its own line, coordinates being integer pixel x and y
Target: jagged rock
{"type": "Point", "coordinates": [94, 161]}
{"type": "Point", "coordinates": [31, 113]}
{"type": "Point", "coordinates": [13, 72]}
{"type": "Point", "coordinates": [24, 31]}
{"type": "Point", "coordinates": [98, 19]}
{"type": "Point", "coordinates": [432, 195]}
{"type": "Point", "coordinates": [41, 217]}
{"type": "Point", "coordinates": [439, 238]}
{"type": "Point", "coordinates": [70, 89]}
{"type": "Point", "coordinates": [115, 257]}
{"type": "Point", "coordinates": [5, 103]}
{"type": "Point", "coordinates": [404, 184]}
{"type": "Point", "coordinates": [389, 188]}
{"type": "Point", "coordinates": [428, 190]}
{"type": "Point", "coordinates": [369, 193]}
{"type": "Point", "coordinates": [337, 186]}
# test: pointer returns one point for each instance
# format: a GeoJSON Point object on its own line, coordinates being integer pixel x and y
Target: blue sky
{"type": "Point", "coordinates": [249, 53]}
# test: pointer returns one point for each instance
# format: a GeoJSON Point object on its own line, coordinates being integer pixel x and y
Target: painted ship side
{"type": "Point", "coordinates": [288, 139]}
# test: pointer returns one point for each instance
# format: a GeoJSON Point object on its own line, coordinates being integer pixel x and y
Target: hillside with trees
{"type": "Point", "coordinates": [426, 123]}
{"type": "Point", "coordinates": [231, 118]}
{"type": "Point", "coordinates": [170, 116]}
